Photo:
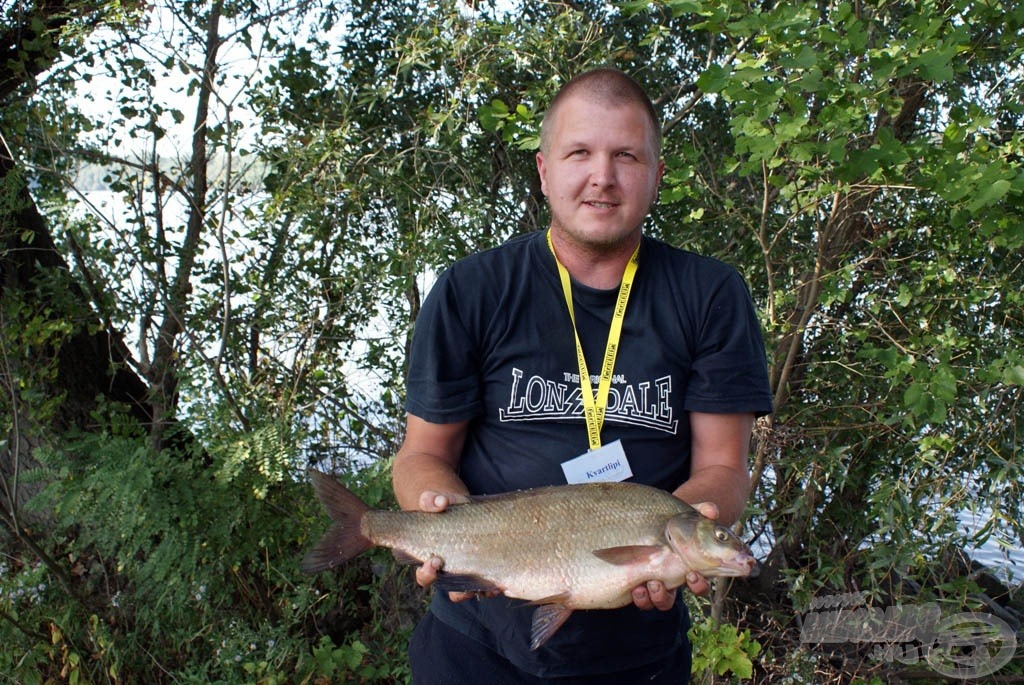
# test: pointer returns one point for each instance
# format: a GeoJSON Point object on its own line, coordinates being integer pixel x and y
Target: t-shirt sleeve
{"type": "Point", "coordinates": [443, 381]}
{"type": "Point", "coordinates": [729, 372]}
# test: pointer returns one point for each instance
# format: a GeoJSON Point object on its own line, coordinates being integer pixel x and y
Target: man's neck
{"type": "Point", "coordinates": [595, 267]}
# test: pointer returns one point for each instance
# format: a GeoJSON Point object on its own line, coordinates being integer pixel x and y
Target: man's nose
{"type": "Point", "coordinates": [602, 171]}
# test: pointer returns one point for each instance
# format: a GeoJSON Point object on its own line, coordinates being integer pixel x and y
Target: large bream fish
{"type": "Point", "coordinates": [562, 547]}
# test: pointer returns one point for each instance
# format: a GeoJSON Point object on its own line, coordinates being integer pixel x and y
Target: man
{"type": "Point", "coordinates": [498, 399]}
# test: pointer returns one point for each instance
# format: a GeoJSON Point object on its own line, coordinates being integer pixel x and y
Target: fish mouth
{"type": "Point", "coordinates": [740, 566]}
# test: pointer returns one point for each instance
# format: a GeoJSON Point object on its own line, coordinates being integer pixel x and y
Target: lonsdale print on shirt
{"type": "Point", "coordinates": [638, 403]}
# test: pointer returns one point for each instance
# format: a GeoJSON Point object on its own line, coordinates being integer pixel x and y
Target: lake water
{"type": "Point", "coordinates": [1005, 560]}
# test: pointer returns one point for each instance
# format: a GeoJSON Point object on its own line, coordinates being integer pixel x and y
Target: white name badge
{"type": "Point", "coordinates": [606, 464]}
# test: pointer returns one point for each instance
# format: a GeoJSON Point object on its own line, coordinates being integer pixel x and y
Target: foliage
{"type": "Point", "coordinates": [250, 286]}
{"type": "Point", "coordinates": [907, 263]}
{"type": "Point", "coordinates": [722, 649]}
{"type": "Point", "coordinates": [166, 576]}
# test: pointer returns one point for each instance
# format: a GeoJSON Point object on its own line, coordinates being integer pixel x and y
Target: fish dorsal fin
{"type": "Point", "coordinates": [547, 619]}
{"type": "Point", "coordinates": [627, 554]}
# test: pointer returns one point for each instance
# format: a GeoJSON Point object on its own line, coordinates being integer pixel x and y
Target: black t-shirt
{"type": "Point", "coordinates": [494, 345]}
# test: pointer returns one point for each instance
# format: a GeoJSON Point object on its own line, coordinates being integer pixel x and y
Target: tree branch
{"type": "Point", "coordinates": [164, 373]}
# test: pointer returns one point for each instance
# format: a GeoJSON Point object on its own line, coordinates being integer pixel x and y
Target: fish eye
{"type": "Point", "coordinates": [722, 535]}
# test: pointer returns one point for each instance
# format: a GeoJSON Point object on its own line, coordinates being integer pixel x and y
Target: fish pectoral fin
{"type": "Point", "coordinates": [547, 619]}
{"type": "Point", "coordinates": [464, 582]}
{"type": "Point", "coordinates": [627, 554]}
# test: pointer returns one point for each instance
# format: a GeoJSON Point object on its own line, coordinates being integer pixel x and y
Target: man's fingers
{"type": "Point", "coordinates": [653, 595]}
{"type": "Point", "coordinates": [432, 501]}
{"type": "Point", "coordinates": [426, 574]}
{"type": "Point", "coordinates": [707, 509]}
{"type": "Point", "coordinates": [463, 596]}
{"type": "Point", "coordinates": [697, 583]}
{"type": "Point", "coordinates": [641, 598]}
{"type": "Point", "coordinates": [661, 597]}
{"type": "Point", "coordinates": [435, 502]}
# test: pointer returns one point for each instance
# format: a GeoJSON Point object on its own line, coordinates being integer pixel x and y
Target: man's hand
{"type": "Point", "coordinates": [654, 595]}
{"type": "Point", "coordinates": [435, 502]}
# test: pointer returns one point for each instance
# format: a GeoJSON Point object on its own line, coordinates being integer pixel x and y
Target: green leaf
{"type": "Point", "coordinates": [1013, 375]}
{"type": "Point", "coordinates": [937, 66]}
{"type": "Point", "coordinates": [990, 194]}
{"type": "Point", "coordinates": [905, 295]}
{"type": "Point", "coordinates": [680, 7]}
{"type": "Point", "coordinates": [713, 79]}
{"type": "Point", "coordinates": [493, 115]}
{"type": "Point", "coordinates": [806, 58]}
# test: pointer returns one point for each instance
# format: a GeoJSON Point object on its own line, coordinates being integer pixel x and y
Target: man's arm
{"type": "Point", "coordinates": [428, 462]}
{"type": "Point", "coordinates": [719, 472]}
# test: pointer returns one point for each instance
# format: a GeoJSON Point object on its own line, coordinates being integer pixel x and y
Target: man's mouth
{"type": "Point", "coordinates": [600, 205]}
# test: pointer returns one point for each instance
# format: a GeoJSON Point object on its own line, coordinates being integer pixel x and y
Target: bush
{"type": "Point", "coordinates": [161, 567]}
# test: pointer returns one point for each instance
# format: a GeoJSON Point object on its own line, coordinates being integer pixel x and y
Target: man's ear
{"type": "Point", "coordinates": [543, 173]}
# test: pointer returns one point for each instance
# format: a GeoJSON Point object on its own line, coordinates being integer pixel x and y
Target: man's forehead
{"type": "Point", "coordinates": [576, 103]}
{"type": "Point", "coordinates": [582, 107]}
{"type": "Point", "coordinates": [596, 98]}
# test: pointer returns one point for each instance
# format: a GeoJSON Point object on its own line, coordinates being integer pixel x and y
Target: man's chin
{"type": "Point", "coordinates": [598, 240]}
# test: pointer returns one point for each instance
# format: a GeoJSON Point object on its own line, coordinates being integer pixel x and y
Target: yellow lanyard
{"type": "Point", "coordinates": [594, 407]}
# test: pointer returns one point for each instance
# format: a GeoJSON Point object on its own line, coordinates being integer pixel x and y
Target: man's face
{"type": "Point", "coordinates": [600, 172]}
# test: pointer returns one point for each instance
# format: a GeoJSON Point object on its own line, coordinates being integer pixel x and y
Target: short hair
{"type": "Point", "coordinates": [608, 85]}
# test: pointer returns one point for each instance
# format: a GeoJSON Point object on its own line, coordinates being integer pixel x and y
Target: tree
{"type": "Point", "coordinates": [106, 494]}
{"type": "Point", "coordinates": [872, 171]}
{"type": "Point", "coordinates": [859, 162]}
{"type": "Point", "coordinates": [49, 351]}
{"type": "Point", "coordinates": [850, 144]}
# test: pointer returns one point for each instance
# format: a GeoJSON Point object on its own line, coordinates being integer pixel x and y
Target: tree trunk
{"type": "Point", "coordinates": [56, 357]}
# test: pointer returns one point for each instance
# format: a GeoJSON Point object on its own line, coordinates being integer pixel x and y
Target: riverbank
{"type": "Point", "coordinates": [957, 621]}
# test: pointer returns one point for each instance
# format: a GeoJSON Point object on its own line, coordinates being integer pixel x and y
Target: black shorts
{"type": "Point", "coordinates": [441, 655]}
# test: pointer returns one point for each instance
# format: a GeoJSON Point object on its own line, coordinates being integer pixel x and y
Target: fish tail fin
{"type": "Point", "coordinates": [344, 540]}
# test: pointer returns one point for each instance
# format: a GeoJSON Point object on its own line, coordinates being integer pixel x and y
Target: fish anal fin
{"type": "Point", "coordinates": [547, 619]}
{"type": "Point", "coordinates": [464, 582]}
{"type": "Point", "coordinates": [627, 555]}
{"type": "Point", "coordinates": [404, 558]}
